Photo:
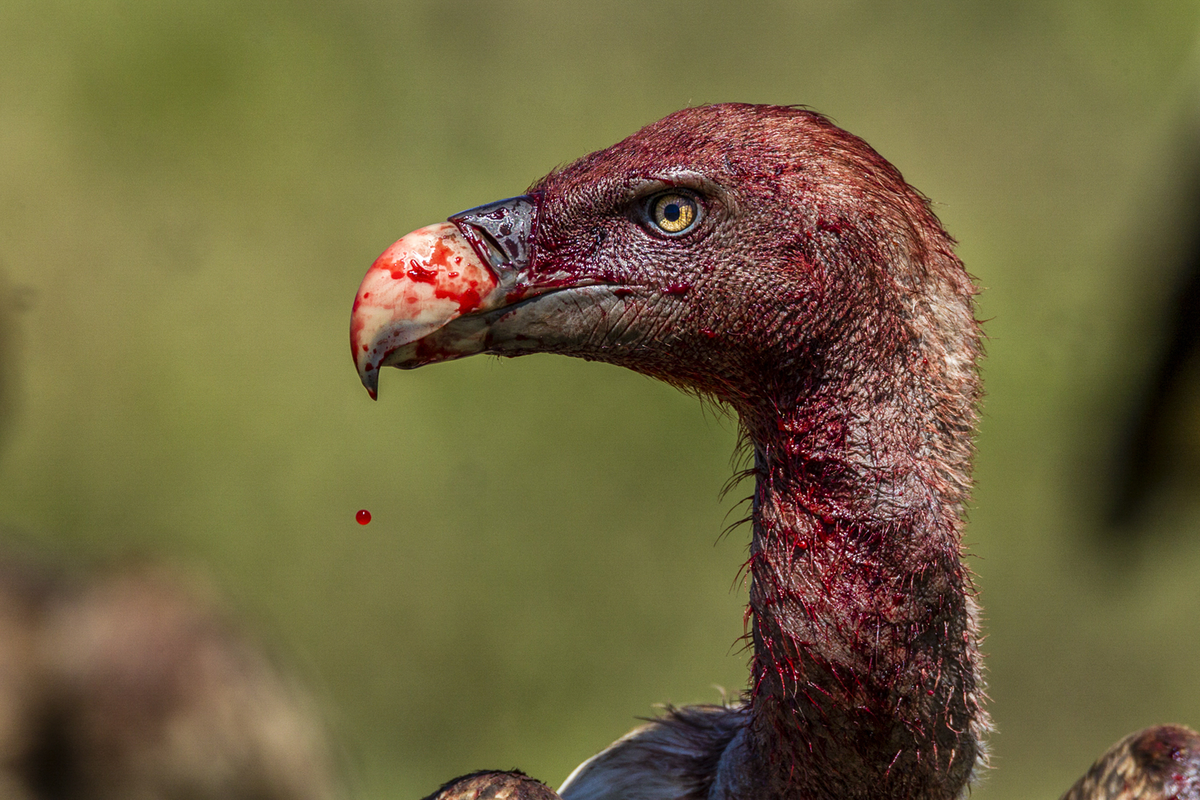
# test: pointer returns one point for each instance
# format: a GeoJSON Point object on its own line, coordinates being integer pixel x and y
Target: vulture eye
{"type": "Point", "coordinates": [674, 213]}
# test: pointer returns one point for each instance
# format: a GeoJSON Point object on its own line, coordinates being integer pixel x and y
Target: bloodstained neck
{"type": "Point", "coordinates": [865, 669]}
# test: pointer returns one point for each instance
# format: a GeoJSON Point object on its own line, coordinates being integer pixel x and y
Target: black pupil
{"type": "Point", "coordinates": [671, 212]}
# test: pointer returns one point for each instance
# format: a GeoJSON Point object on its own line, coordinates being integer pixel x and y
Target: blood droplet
{"type": "Point", "coordinates": [363, 516]}
{"type": "Point", "coordinates": [419, 272]}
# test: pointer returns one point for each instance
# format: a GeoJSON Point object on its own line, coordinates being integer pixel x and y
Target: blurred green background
{"type": "Point", "coordinates": [190, 193]}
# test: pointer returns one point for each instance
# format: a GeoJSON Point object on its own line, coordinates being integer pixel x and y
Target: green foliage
{"type": "Point", "coordinates": [189, 194]}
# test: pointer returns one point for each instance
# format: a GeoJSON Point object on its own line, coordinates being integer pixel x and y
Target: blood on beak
{"type": "Point", "coordinates": [422, 282]}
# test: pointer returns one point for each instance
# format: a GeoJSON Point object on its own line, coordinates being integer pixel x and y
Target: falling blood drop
{"type": "Point", "coordinates": [363, 516]}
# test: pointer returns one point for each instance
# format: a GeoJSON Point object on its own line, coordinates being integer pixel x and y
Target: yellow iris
{"type": "Point", "coordinates": [673, 213]}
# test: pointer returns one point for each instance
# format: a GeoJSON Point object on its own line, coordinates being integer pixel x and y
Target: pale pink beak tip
{"type": "Point", "coordinates": [418, 285]}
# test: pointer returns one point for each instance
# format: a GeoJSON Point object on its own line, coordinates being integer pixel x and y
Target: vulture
{"type": "Point", "coordinates": [132, 683]}
{"type": "Point", "coordinates": [763, 257]}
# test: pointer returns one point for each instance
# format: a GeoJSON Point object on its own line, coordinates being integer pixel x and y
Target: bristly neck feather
{"type": "Point", "coordinates": [866, 671]}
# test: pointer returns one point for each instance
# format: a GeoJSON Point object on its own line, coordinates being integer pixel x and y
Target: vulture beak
{"type": "Point", "coordinates": [452, 272]}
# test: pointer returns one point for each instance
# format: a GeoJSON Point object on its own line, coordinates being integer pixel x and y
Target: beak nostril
{"type": "Point", "coordinates": [495, 254]}
{"type": "Point", "coordinates": [501, 232]}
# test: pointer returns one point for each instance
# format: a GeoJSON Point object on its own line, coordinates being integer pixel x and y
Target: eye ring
{"type": "Point", "coordinates": [673, 213]}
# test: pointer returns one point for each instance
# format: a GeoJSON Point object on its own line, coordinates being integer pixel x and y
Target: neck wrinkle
{"type": "Point", "coordinates": [865, 668]}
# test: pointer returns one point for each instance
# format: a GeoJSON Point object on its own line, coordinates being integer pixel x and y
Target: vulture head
{"type": "Point", "coordinates": [736, 250]}
{"type": "Point", "coordinates": [763, 257]}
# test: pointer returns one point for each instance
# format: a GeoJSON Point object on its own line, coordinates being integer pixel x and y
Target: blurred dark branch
{"type": "Point", "coordinates": [1142, 458]}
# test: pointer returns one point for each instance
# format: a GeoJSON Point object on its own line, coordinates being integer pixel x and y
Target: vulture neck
{"type": "Point", "coordinates": [865, 668]}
